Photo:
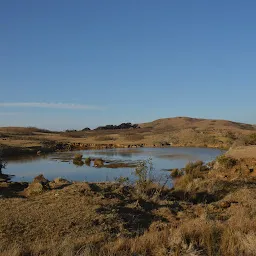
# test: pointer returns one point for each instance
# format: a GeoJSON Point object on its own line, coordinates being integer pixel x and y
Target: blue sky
{"type": "Point", "coordinates": [73, 64]}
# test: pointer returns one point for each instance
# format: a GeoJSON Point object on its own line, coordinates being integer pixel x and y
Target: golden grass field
{"type": "Point", "coordinates": [210, 211]}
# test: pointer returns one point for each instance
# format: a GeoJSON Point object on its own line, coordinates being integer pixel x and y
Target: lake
{"type": "Point", "coordinates": [60, 164]}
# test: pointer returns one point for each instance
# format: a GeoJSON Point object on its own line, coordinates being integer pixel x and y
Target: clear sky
{"type": "Point", "coordinates": [72, 64]}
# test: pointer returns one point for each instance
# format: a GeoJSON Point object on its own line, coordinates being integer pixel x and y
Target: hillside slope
{"type": "Point", "coordinates": [178, 131]}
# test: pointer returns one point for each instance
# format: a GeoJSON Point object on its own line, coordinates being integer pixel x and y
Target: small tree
{"type": "Point", "coordinates": [147, 185]}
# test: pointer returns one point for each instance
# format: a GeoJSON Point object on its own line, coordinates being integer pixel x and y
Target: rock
{"type": "Point", "coordinates": [78, 160]}
{"type": "Point", "coordinates": [40, 179]}
{"type": "Point", "coordinates": [98, 162]}
{"type": "Point", "coordinates": [78, 157]}
{"type": "Point", "coordinates": [60, 180]}
{"type": "Point", "coordinates": [36, 188]}
{"type": "Point", "coordinates": [59, 183]}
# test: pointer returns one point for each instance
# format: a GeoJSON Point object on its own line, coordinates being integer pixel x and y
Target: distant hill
{"type": "Point", "coordinates": [176, 131]}
{"type": "Point", "coordinates": [197, 123]}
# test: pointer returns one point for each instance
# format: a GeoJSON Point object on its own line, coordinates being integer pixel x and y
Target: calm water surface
{"type": "Point", "coordinates": [60, 164]}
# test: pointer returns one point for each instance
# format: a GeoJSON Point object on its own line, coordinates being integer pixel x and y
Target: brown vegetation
{"type": "Point", "coordinates": [179, 131]}
{"type": "Point", "coordinates": [210, 211]}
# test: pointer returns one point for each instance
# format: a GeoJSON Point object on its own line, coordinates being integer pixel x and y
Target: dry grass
{"type": "Point", "coordinates": [133, 137]}
{"type": "Point", "coordinates": [210, 212]}
{"type": "Point", "coordinates": [175, 131]}
{"type": "Point", "coordinates": [113, 219]}
{"type": "Point", "coordinates": [105, 138]}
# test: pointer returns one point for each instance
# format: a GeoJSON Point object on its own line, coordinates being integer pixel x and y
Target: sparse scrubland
{"type": "Point", "coordinates": [210, 210]}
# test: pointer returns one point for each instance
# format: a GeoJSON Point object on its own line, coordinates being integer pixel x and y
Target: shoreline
{"type": "Point", "coordinates": [10, 151]}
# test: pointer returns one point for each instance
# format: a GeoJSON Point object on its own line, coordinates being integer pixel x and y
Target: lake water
{"type": "Point", "coordinates": [60, 164]}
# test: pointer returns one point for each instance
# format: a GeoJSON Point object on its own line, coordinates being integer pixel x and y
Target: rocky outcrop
{"type": "Point", "coordinates": [59, 183]}
{"type": "Point", "coordinates": [98, 162]}
{"type": "Point", "coordinates": [38, 186]}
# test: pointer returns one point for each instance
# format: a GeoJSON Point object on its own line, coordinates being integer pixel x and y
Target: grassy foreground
{"type": "Point", "coordinates": [210, 211]}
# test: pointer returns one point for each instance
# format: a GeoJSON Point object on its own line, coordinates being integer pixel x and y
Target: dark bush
{"type": "Point", "coordinates": [86, 129]}
{"type": "Point", "coordinates": [115, 127]}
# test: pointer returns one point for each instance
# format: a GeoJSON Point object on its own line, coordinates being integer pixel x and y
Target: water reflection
{"type": "Point", "coordinates": [25, 158]}
{"type": "Point", "coordinates": [60, 164]}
